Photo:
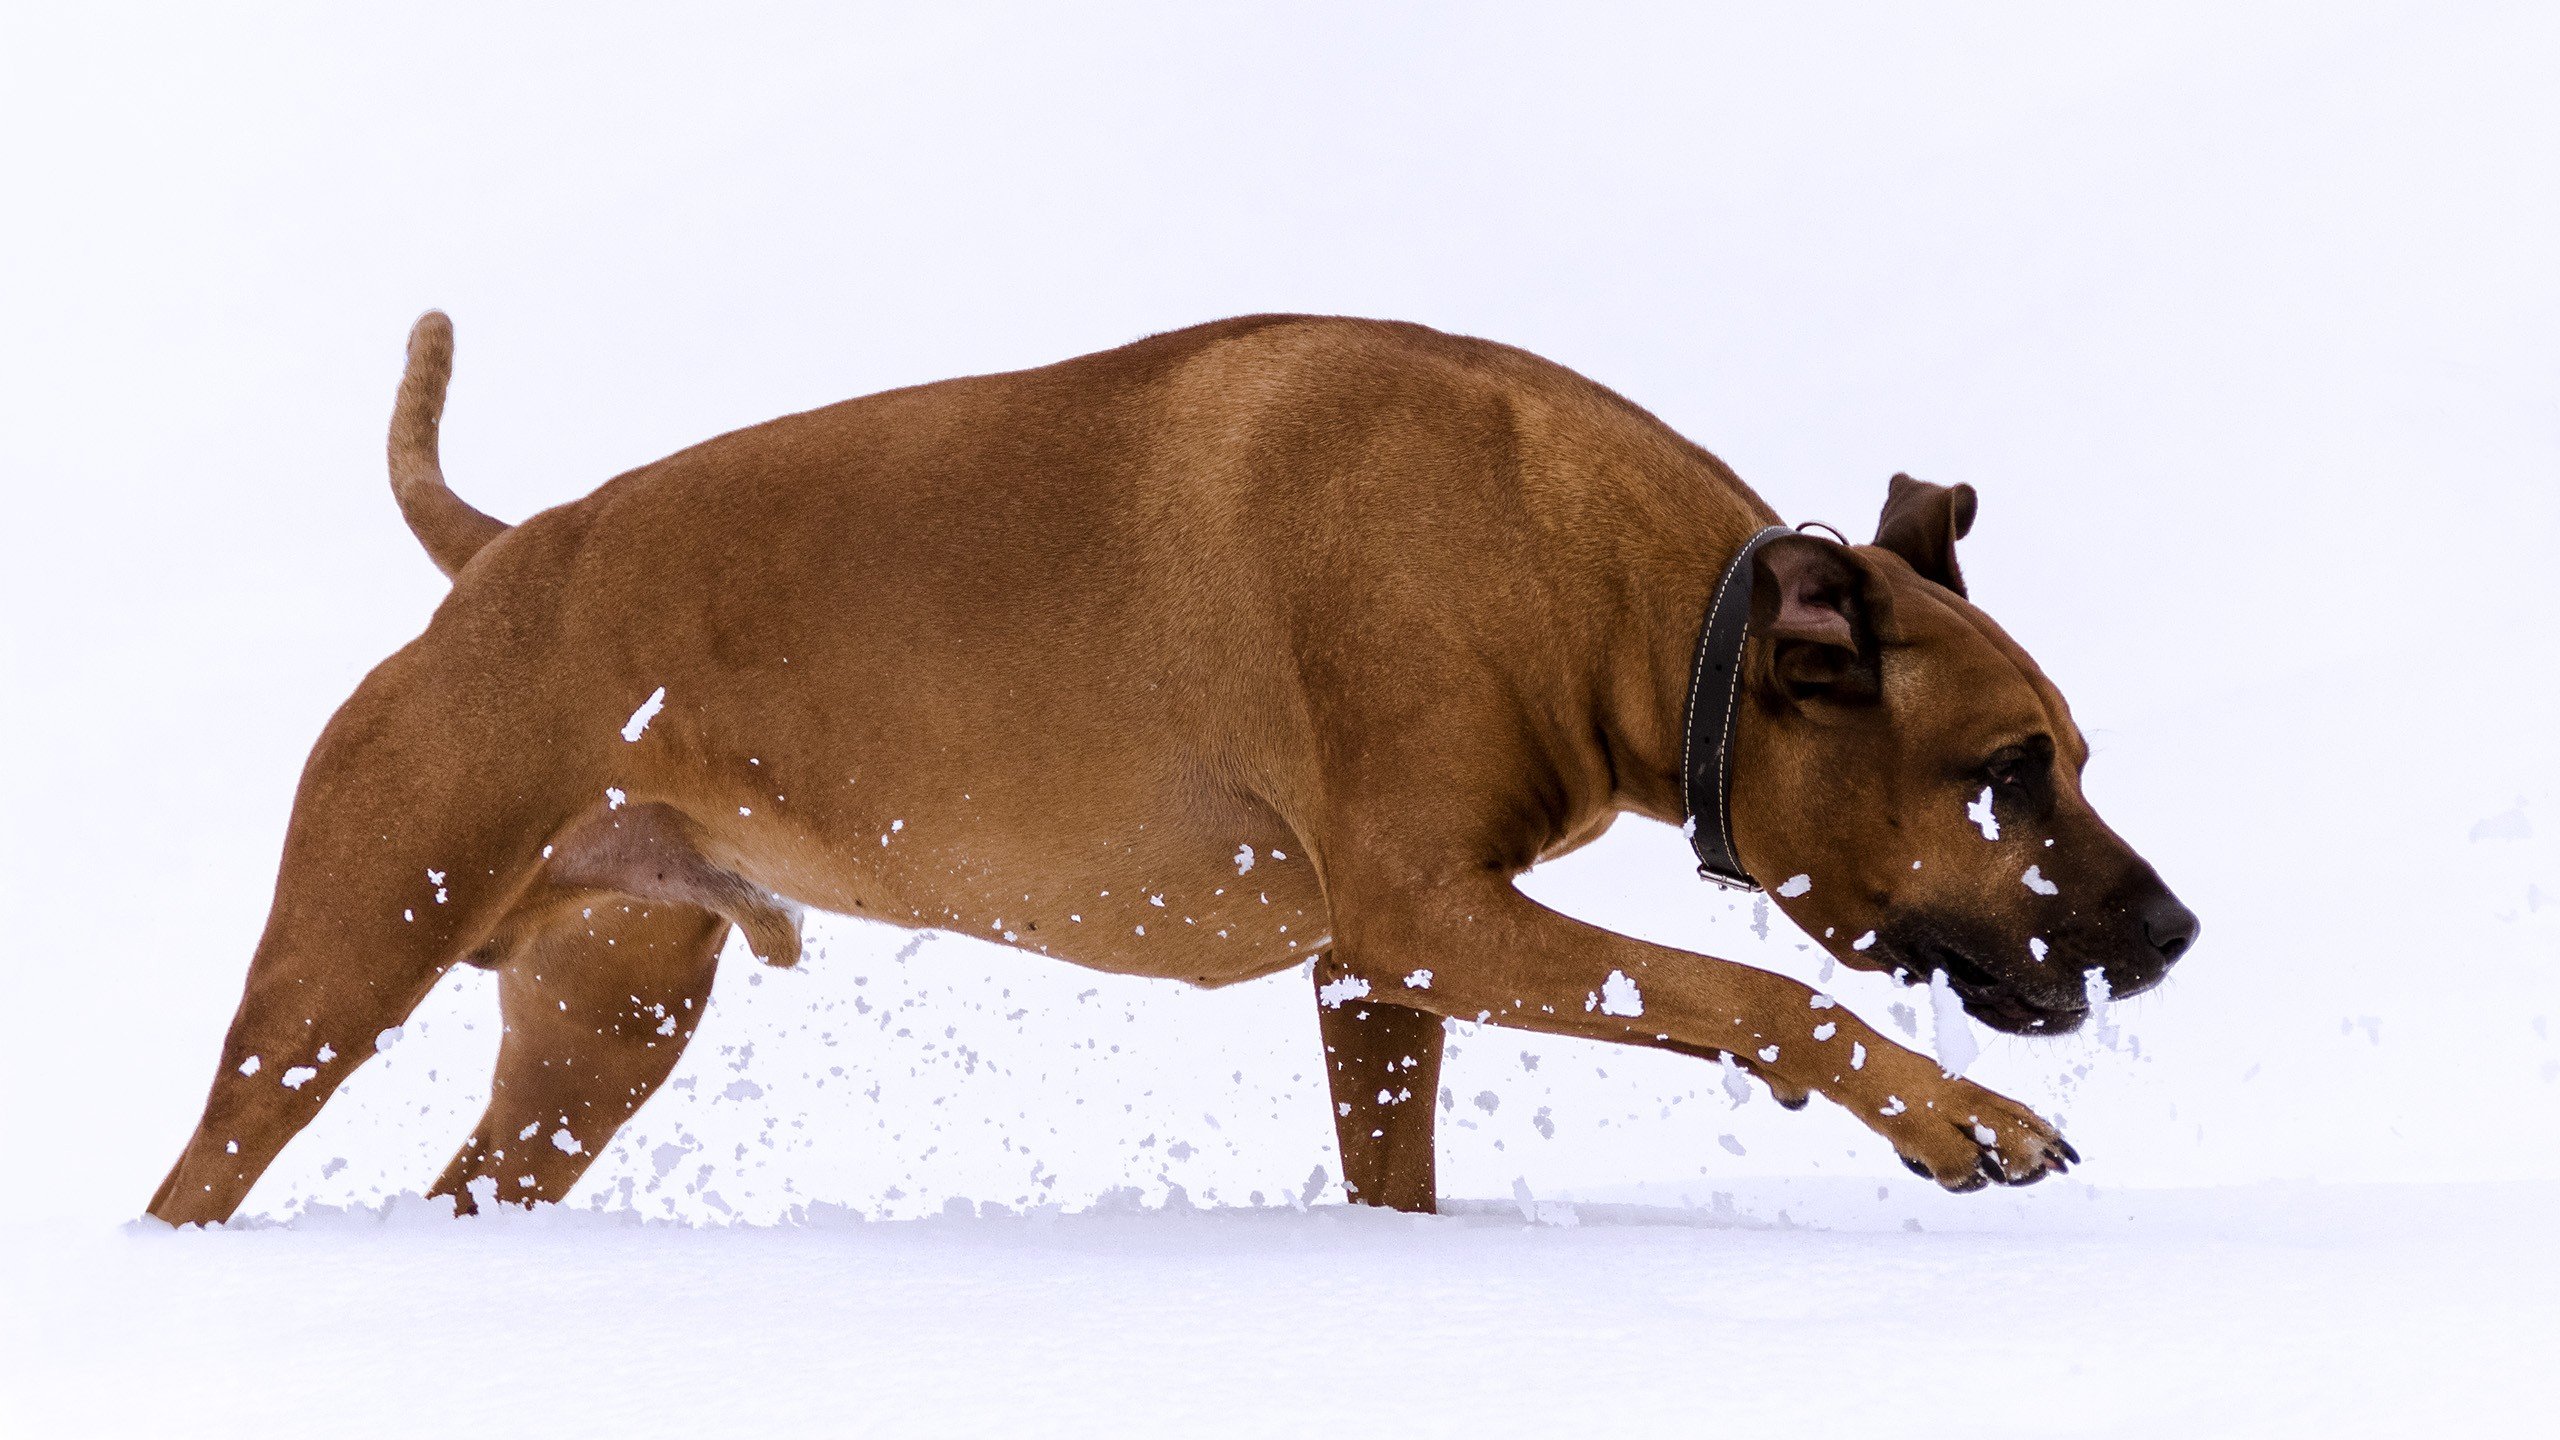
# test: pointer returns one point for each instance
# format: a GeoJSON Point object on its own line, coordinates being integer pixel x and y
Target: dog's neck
{"type": "Point", "coordinates": [1671, 570]}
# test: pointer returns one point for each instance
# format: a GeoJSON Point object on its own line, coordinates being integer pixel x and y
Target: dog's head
{"type": "Point", "coordinates": [1912, 791]}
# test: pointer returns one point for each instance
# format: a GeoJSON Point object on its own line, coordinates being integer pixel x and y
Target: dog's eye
{"type": "Point", "coordinates": [2021, 772]}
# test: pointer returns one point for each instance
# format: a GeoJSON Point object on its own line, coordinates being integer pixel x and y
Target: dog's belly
{"type": "Point", "coordinates": [1186, 892]}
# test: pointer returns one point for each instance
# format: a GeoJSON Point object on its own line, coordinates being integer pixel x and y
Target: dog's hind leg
{"type": "Point", "coordinates": [411, 836]}
{"type": "Point", "coordinates": [1383, 1064]}
{"type": "Point", "coordinates": [302, 1027]}
{"type": "Point", "coordinates": [597, 1007]}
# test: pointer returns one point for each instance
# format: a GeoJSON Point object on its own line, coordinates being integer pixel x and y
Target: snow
{"type": "Point", "coordinates": [638, 724]}
{"type": "Point", "coordinates": [1737, 1084]}
{"type": "Point", "coordinates": [2506, 825]}
{"type": "Point", "coordinates": [1954, 1036]}
{"type": "Point", "coordinates": [1979, 812]}
{"type": "Point", "coordinates": [2100, 995]}
{"type": "Point", "coordinates": [1333, 993]}
{"type": "Point", "coordinates": [2034, 880]}
{"type": "Point", "coordinates": [1619, 995]}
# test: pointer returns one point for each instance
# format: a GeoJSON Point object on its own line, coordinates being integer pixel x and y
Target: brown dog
{"type": "Point", "coordinates": [1274, 641]}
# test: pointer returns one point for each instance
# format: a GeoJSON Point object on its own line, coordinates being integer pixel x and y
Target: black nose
{"type": "Point", "coordinates": [2169, 926]}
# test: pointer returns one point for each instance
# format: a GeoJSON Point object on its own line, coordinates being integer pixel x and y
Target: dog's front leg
{"type": "Point", "coordinates": [1481, 951]}
{"type": "Point", "coordinates": [1382, 1070]}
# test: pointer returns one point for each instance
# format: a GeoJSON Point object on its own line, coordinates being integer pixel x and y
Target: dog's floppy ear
{"type": "Point", "coordinates": [1811, 601]}
{"type": "Point", "coordinates": [1922, 523]}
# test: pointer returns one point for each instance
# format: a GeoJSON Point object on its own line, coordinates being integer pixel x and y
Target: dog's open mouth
{"type": "Point", "coordinates": [1990, 999]}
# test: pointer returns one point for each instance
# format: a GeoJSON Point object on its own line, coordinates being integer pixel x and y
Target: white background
{"type": "Point", "coordinates": [2244, 322]}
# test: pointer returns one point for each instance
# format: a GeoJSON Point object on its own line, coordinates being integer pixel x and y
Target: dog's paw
{"type": "Point", "coordinates": [1966, 1137]}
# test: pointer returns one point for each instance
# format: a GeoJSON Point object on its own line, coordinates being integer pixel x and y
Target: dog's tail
{"type": "Point", "coordinates": [444, 522]}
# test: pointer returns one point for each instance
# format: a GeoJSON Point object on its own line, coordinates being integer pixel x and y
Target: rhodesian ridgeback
{"type": "Point", "coordinates": [1281, 642]}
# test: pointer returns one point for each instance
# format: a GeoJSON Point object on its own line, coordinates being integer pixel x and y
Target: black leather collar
{"type": "Point", "coordinates": [1715, 691]}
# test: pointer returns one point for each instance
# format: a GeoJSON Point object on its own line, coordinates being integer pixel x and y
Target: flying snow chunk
{"type": "Point", "coordinates": [1795, 885]}
{"type": "Point", "coordinates": [1619, 995]}
{"type": "Point", "coordinates": [2037, 948]}
{"type": "Point", "coordinates": [1863, 941]}
{"type": "Point", "coordinates": [1979, 812]}
{"type": "Point", "coordinates": [298, 1076]}
{"type": "Point", "coordinates": [1333, 992]}
{"type": "Point", "coordinates": [2512, 825]}
{"type": "Point", "coordinates": [640, 718]}
{"type": "Point", "coordinates": [249, 1066]}
{"type": "Point", "coordinates": [1737, 1086]}
{"type": "Point", "coordinates": [562, 1140]}
{"type": "Point", "coordinates": [1956, 1045]}
{"type": "Point", "coordinates": [613, 798]}
{"type": "Point", "coordinates": [1418, 980]}
{"type": "Point", "coordinates": [1244, 859]}
{"type": "Point", "coordinates": [2095, 989]}
{"type": "Point", "coordinates": [2034, 880]}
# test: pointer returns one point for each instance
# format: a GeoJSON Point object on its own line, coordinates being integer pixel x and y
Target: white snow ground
{"type": "Point", "coordinates": [1786, 1310]}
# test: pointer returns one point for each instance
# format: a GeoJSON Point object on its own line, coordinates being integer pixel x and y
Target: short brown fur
{"type": "Point", "coordinates": [1281, 641]}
